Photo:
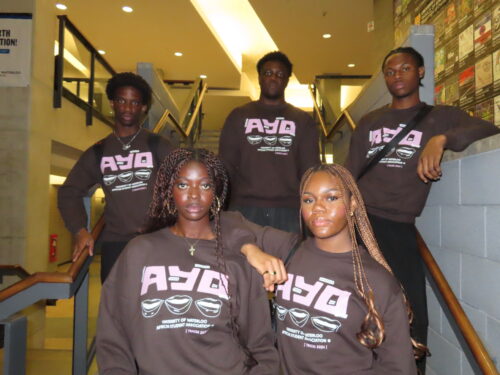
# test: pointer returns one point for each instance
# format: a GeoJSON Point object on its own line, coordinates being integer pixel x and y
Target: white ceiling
{"type": "Point", "coordinates": [158, 28]}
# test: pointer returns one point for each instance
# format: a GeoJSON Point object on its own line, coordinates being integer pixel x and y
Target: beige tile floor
{"type": "Point", "coordinates": [56, 357]}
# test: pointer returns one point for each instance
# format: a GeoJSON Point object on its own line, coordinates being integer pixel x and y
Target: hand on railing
{"type": "Point", "coordinates": [83, 240]}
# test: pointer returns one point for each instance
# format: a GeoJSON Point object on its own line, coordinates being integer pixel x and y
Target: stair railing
{"type": "Point", "coordinates": [468, 332]}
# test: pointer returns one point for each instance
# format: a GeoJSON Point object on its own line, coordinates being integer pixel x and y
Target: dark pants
{"type": "Point", "coordinates": [283, 218]}
{"type": "Point", "coordinates": [110, 251]}
{"type": "Point", "coordinates": [398, 243]}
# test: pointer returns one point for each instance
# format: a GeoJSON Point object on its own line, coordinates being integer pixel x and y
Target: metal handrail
{"type": "Point", "coordinates": [318, 112]}
{"type": "Point", "coordinates": [167, 115]}
{"type": "Point", "coordinates": [327, 133]}
{"type": "Point", "coordinates": [13, 270]}
{"type": "Point", "coordinates": [470, 335]}
{"type": "Point", "coordinates": [190, 125]}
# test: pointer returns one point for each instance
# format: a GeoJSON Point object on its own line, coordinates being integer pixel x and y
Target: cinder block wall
{"type": "Point", "coordinates": [461, 226]}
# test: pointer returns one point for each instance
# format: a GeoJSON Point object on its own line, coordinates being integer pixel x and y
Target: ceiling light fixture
{"type": "Point", "coordinates": [351, 65]}
{"type": "Point", "coordinates": [327, 36]}
{"type": "Point", "coordinates": [203, 76]}
{"type": "Point", "coordinates": [61, 6]}
{"type": "Point", "coordinates": [178, 54]}
{"type": "Point", "coordinates": [101, 52]}
{"type": "Point", "coordinates": [127, 9]}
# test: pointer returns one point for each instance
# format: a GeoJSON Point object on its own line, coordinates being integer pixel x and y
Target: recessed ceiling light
{"type": "Point", "coordinates": [101, 51]}
{"type": "Point", "coordinates": [127, 9]}
{"type": "Point", "coordinates": [327, 36]}
{"type": "Point", "coordinates": [61, 6]}
{"type": "Point", "coordinates": [351, 65]}
{"type": "Point", "coordinates": [178, 54]}
{"type": "Point", "coordinates": [203, 76]}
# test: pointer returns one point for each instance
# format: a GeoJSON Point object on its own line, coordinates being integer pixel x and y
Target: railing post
{"type": "Point", "coordinates": [58, 84]}
{"type": "Point", "coordinates": [14, 361]}
{"type": "Point", "coordinates": [80, 328]}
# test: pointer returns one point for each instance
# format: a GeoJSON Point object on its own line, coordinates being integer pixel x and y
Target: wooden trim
{"type": "Point", "coordinates": [53, 277]}
{"type": "Point", "coordinates": [475, 344]}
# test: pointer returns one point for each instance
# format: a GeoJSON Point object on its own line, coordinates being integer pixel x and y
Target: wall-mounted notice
{"type": "Point", "coordinates": [15, 49]}
{"type": "Point", "coordinates": [497, 110]}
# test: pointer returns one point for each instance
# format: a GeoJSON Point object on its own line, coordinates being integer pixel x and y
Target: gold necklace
{"type": "Point", "coordinates": [192, 247]}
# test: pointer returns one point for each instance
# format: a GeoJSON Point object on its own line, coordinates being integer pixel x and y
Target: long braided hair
{"type": "Point", "coordinates": [371, 334]}
{"type": "Point", "coordinates": [163, 213]}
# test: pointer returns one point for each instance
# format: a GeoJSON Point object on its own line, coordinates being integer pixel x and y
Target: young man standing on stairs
{"type": "Point", "coordinates": [124, 164]}
{"type": "Point", "coordinates": [266, 146]}
{"type": "Point", "coordinates": [396, 187]}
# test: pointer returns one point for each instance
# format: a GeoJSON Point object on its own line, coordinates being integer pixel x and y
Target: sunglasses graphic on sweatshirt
{"type": "Point", "coordinates": [124, 177]}
{"type": "Point", "coordinates": [180, 305]}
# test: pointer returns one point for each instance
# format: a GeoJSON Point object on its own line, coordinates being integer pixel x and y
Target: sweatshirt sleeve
{"type": "Point", "coordinates": [309, 146]}
{"type": "Point", "coordinates": [356, 157]}
{"type": "Point", "coordinates": [255, 327]}
{"type": "Point", "coordinates": [395, 355]}
{"type": "Point", "coordinates": [228, 152]}
{"type": "Point", "coordinates": [242, 231]}
{"type": "Point", "coordinates": [81, 178]}
{"type": "Point", "coordinates": [113, 350]}
{"type": "Point", "coordinates": [464, 129]}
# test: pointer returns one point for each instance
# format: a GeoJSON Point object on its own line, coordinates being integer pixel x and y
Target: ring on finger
{"type": "Point", "coordinates": [274, 273]}
{"type": "Point", "coordinates": [263, 273]}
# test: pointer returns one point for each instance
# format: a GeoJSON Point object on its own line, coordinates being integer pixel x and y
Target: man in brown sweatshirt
{"type": "Point", "coordinates": [266, 146]}
{"type": "Point", "coordinates": [396, 188]}
{"type": "Point", "coordinates": [124, 164]}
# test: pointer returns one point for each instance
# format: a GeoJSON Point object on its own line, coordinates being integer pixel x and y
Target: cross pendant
{"type": "Point", "coordinates": [192, 250]}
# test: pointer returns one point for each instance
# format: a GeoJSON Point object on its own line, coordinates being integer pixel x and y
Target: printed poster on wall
{"type": "Point", "coordinates": [451, 50]}
{"type": "Point", "coordinates": [451, 20]}
{"type": "Point", "coordinates": [439, 28]}
{"type": "Point", "coordinates": [480, 6]}
{"type": "Point", "coordinates": [484, 78]}
{"type": "Point", "coordinates": [465, 13]}
{"type": "Point", "coordinates": [439, 63]}
{"type": "Point", "coordinates": [485, 110]}
{"type": "Point", "coordinates": [466, 87]}
{"type": "Point", "coordinates": [497, 110]}
{"type": "Point", "coordinates": [439, 94]}
{"type": "Point", "coordinates": [15, 49]}
{"type": "Point", "coordinates": [482, 36]}
{"type": "Point", "coordinates": [496, 71]}
{"type": "Point", "coordinates": [496, 26]}
{"type": "Point", "coordinates": [466, 47]}
{"type": "Point", "coordinates": [452, 94]}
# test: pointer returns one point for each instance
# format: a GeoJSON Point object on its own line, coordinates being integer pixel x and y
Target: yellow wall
{"type": "Point", "coordinates": [65, 125]}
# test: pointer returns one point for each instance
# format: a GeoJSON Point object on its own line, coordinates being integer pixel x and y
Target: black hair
{"type": "Point", "coordinates": [417, 57]}
{"type": "Point", "coordinates": [130, 79]}
{"type": "Point", "coordinates": [275, 56]}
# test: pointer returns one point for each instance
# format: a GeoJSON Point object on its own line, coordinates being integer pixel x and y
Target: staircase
{"type": "Point", "coordinates": [209, 139]}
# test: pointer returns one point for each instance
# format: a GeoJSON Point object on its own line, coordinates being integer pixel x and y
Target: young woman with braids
{"type": "Point", "coordinates": [181, 299]}
{"type": "Point", "coordinates": [341, 311]}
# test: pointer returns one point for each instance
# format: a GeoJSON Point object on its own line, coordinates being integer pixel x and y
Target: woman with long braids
{"type": "Point", "coordinates": [181, 299]}
{"type": "Point", "coordinates": [341, 311]}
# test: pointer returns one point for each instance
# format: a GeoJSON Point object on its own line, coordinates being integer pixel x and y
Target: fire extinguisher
{"type": "Point", "coordinates": [53, 248]}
